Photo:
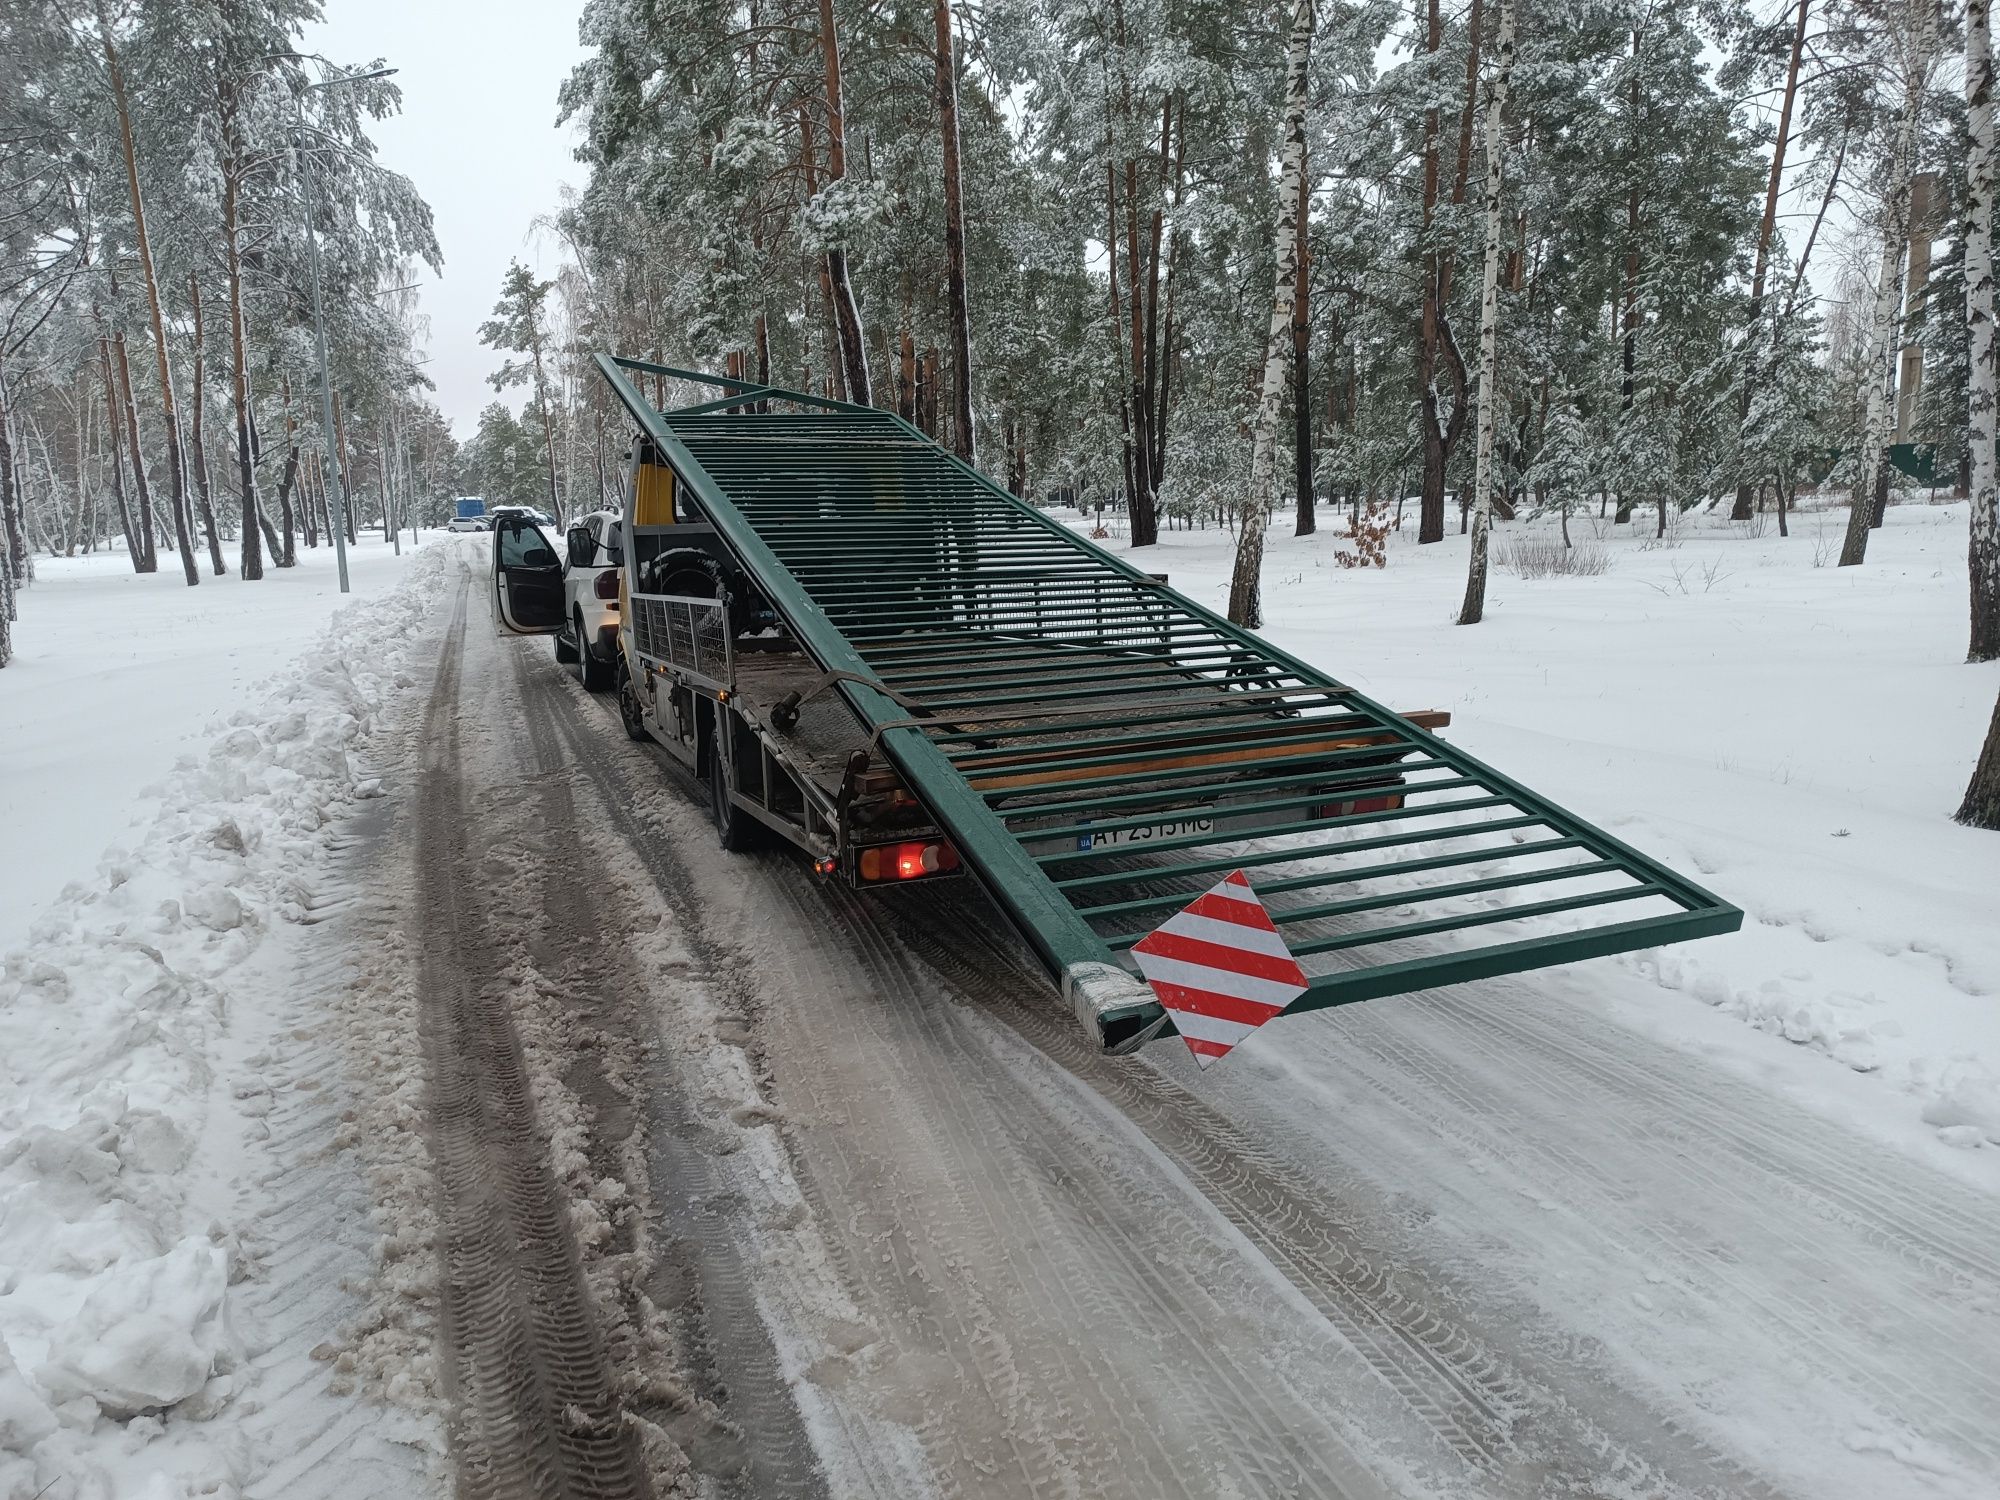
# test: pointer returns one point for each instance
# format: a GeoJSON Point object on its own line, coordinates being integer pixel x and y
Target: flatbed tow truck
{"type": "Point", "coordinates": [865, 647]}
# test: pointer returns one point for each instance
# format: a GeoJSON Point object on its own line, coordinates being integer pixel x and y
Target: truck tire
{"type": "Point", "coordinates": [591, 672]}
{"type": "Point", "coordinates": [629, 711]}
{"type": "Point", "coordinates": [733, 826]}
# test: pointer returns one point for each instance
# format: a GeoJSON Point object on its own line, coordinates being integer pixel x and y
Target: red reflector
{"type": "Point", "coordinates": [606, 586]}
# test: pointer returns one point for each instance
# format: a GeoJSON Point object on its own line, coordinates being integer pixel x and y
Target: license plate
{"type": "Point", "coordinates": [1145, 834]}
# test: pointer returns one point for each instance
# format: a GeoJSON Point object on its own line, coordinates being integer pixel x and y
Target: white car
{"type": "Point", "coordinates": [467, 523]}
{"type": "Point", "coordinates": [540, 517]}
{"type": "Point", "coordinates": [573, 595]}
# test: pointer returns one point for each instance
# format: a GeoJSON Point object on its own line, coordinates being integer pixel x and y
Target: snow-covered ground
{"type": "Point", "coordinates": [116, 675]}
{"type": "Point", "coordinates": [156, 1031]}
{"type": "Point", "coordinates": [1791, 734]}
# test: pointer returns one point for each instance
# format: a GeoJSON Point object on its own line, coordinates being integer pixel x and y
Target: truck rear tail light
{"type": "Point", "coordinates": [606, 586]}
{"type": "Point", "coordinates": [911, 861]}
{"type": "Point", "coordinates": [1387, 802]}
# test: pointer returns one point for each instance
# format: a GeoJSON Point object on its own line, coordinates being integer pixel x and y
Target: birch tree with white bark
{"type": "Point", "coordinates": [1912, 50]}
{"type": "Point", "coordinates": [1981, 409]}
{"type": "Point", "coordinates": [1474, 608]}
{"type": "Point", "coordinates": [1246, 605]}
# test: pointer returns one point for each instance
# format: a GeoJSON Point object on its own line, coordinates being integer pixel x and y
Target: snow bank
{"type": "Point", "coordinates": [118, 674]}
{"type": "Point", "coordinates": [1793, 735]}
{"type": "Point", "coordinates": [115, 1283]}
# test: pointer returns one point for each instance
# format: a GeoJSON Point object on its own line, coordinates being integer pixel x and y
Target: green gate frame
{"type": "Point", "coordinates": [978, 517]}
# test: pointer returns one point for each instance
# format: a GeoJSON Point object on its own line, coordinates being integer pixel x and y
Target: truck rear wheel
{"type": "Point", "coordinates": [732, 825]}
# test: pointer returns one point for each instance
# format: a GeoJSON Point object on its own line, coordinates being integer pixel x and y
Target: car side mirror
{"type": "Point", "coordinates": [582, 548]}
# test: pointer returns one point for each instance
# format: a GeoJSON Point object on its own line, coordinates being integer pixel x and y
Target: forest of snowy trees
{"type": "Point", "coordinates": [1196, 261]}
{"type": "Point", "coordinates": [159, 383]}
{"type": "Point", "coordinates": [1049, 232]}
{"type": "Point", "coordinates": [1131, 250]}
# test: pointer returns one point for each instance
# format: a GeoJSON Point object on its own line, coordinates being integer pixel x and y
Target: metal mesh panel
{"type": "Point", "coordinates": [689, 634]}
{"type": "Point", "coordinates": [709, 642]}
{"type": "Point", "coordinates": [649, 626]}
{"type": "Point", "coordinates": [680, 636]}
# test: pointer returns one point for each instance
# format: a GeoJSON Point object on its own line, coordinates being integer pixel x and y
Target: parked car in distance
{"type": "Point", "coordinates": [540, 517]}
{"type": "Point", "coordinates": [468, 523]}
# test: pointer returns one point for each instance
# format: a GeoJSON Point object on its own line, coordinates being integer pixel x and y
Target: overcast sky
{"type": "Point", "coordinates": [478, 136]}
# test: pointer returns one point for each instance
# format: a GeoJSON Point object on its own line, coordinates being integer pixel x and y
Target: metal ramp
{"type": "Point", "coordinates": [1100, 748]}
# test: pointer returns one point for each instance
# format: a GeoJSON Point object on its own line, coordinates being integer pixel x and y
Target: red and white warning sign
{"type": "Point", "coordinates": [1220, 968]}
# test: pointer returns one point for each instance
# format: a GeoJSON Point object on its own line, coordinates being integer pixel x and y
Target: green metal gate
{"type": "Point", "coordinates": [1101, 749]}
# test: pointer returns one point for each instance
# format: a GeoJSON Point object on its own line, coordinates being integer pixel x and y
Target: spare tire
{"type": "Point", "coordinates": [695, 574]}
{"type": "Point", "coordinates": [683, 570]}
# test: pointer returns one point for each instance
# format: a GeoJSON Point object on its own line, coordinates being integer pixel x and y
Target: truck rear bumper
{"type": "Point", "coordinates": [1117, 1010]}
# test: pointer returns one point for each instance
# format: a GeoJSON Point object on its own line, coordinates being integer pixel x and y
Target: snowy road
{"type": "Point", "coordinates": [754, 1187]}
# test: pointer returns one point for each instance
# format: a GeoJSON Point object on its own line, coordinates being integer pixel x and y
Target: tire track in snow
{"type": "Point", "coordinates": [1100, 1279]}
{"type": "Point", "coordinates": [954, 1205]}
{"type": "Point", "coordinates": [1488, 1077]}
{"type": "Point", "coordinates": [701, 1279]}
{"type": "Point", "coordinates": [535, 1411]}
{"type": "Point", "coordinates": [315, 1233]}
{"type": "Point", "coordinates": [728, 1292]}
{"type": "Point", "coordinates": [1859, 1187]}
{"type": "Point", "coordinates": [1508, 1419]}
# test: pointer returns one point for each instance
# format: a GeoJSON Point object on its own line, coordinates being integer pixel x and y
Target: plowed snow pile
{"type": "Point", "coordinates": [128, 1124]}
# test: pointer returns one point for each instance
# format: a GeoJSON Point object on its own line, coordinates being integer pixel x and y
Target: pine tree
{"type": "Point", "coordinates": [1767, 242]}
{"type": "Point", "coordinates": [517, 326]}
{"type": "Point", "coordinates": [176, 462]}
{"type": "Point", "coordinates": [954, 238]}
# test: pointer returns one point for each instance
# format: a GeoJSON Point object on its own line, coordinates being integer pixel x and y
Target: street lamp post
{"type": "Point", "coordinates": [335, 489]}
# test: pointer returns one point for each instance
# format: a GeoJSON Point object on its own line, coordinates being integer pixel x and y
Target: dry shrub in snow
{"type": "Point", "coordinates": [1543, 554]}
{"type": "Point", "coordinates": [1368, 528]}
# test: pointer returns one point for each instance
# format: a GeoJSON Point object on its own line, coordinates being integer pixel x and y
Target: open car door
{"type": "Point", "coordinates": [527, 577]}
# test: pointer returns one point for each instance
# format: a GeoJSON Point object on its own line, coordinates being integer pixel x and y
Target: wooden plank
{"type": "Point", "coordinates": [1278, 749]}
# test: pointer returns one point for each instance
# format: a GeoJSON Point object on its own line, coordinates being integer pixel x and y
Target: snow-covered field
{"type": "Point", "coordinates": [116, 675]}
{"type": "Point", "coordinates": [1793, 735]}
{"type": "Point", "coordinates": [152, 1024]}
